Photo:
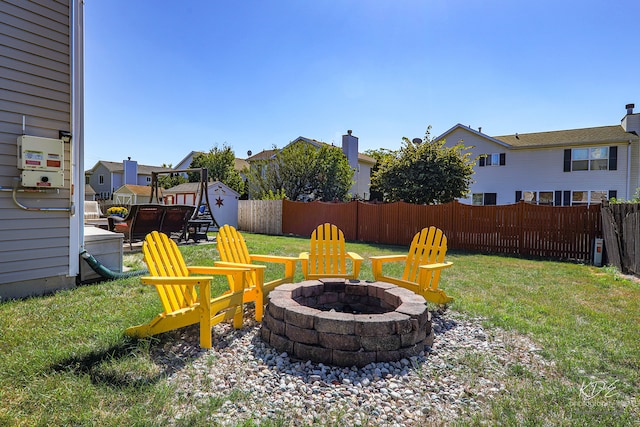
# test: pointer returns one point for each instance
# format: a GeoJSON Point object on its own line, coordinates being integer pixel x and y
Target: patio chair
{"type": "Point", "coordinates": [92, 210]}
{"type": "Point", "coordinates": [175, 220]}
{"type": "Point", "coordinates": [423, 265]}
{"type": "Point", "coordinates": [186, 299]}
{"type": "Point", "coordinates": [140, 221]}
{"type": "Point", "coordinates": [328, 257]}
{"type": "Point", "coordinates": [234, 253]}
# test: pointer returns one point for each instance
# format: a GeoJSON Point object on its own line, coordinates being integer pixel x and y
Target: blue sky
{"type": "Point", "coordinates": [163, 78]}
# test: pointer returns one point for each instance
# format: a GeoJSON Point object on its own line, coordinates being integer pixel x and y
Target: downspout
{"type": "Point", "coordinates": [105, 272]}
{"type": "Point", "coordinates": [628, 170]}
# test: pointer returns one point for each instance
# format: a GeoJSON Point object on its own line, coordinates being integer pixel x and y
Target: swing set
{"type": "Point", "coordinates": [198, 219]}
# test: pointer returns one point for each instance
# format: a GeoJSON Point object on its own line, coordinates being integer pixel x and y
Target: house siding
{"type": "Point", "coordinates": [35, 47]}
{"type": "Point", "coordinates": [537, 169]}
{"type": "Point", "coordinates": [104, 189]}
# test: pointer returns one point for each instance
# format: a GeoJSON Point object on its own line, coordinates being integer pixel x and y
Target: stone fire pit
{"type": "Point", "coordinates": [346, 323]}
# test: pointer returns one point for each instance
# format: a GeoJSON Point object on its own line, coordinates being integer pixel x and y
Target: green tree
{"type": "Point", "coordinates": [220, 164]}
{"type": "Point", "coordinates": [170, 180]}
{"type": "Point", "coordinates": [381, 155]}
{"type": "Point", "coordinates": [425, 172]}
{"type": "Point", "coordinates": [300, 170]}
{"type": "Point", "coordinates": [333, 176]}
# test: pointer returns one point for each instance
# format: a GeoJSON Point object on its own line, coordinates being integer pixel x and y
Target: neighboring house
{"type": "Point", "coordinates": [134, 194]}
{"type": "Point", "coordinates": [222, 198]}
{"type": "Point", "coordinates": [89, 193]}
{"type": "Point", "coordinates": [558, 168]}
{"type": "Point", "coordinates": [360, 163]}
{"type": "Point", "coordinates": [105, 177]}
{"type": "Point", "coordinates": [41, 232]}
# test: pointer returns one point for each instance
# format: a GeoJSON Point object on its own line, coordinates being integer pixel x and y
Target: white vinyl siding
{"type": "Point", "coordinates": [540, 170]}
{"type": "Point", "coordinates": [36, 84]}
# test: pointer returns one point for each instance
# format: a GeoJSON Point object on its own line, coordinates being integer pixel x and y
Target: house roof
{"type": "Point", "coordinates": [263, 155]}
{"type": "Point", "coordinates": [269, 154]}
{"type": "Point", "coordinates": [595, 135]}
{"type": "Point", "coordinates": [115, 167]}
{"type": "Point", "coordinates": [240, 164]}
{"type": "Point", "coordinates": [471, 130]}
{"type": "Point", "coordinates": [138, 190]}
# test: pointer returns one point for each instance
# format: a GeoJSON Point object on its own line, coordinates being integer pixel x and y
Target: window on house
{"type": "Point", "coordinates": [86, 179]}
{"type": "Point", "coordinates": [530, 197]}
{"type": "Point", "coordinates": [589, 197]}
{"type": "Point", "coordinates": [148, 179]}
{"type": "Point", "coordinates": [579, 198]}
{"type": "Point", "coordinates": [545, 198]}
{"type": "Point", "coordinates": [598, 197]}
{"type": "Point", "coordinates": [595, 158]}
{"type": "Point", "coordinates": [490, 199]}
{"type": "Point", "coordinates": [484, 199]}
{"type": "Point", "coordinates": [495, 159]}
{"type": "Point", "coordinates": [101, 179]}
{"type": "Point", "coordinates": [549, 198]}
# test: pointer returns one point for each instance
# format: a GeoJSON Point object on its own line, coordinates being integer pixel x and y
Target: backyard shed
{"type": "Point", "coordinates": [133, 194]}
{"type": "Point", "coordinates": [222, 198]}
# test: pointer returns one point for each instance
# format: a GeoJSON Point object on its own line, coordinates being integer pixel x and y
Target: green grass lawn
{"type": "Point", "coordinates": [64, 359]}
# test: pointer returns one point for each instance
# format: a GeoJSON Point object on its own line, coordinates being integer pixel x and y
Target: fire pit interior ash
{"type": "Point", "coordinates": [346, 323]}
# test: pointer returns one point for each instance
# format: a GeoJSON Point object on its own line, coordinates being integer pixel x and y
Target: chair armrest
{"type": "Point", "coordinates": [236, 265]}
{"type": "Point", "coordinates": [377, 261]}
{"type": "Point", "coordinates": [388, 258]}
{"type": "Point", "coordinates": [436, 266]}
{"type": "Point", "coordinates": [274, 258]}
{"type": "Point", "coordinates": [303, 256]}
{"type": "Point", "coordinates": [239, 275]}
{"type": "Point", "coordinates": [354, 256]}
{"type": "Point", "coordinates": [188, 281]}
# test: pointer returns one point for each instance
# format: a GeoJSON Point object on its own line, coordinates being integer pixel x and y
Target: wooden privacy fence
{"type": "Point", "coordinates": [260, 216]}
{"type": "Point", "coordinates": [621, 228]}
{"type": "Point", "coordinates": [566, 233]}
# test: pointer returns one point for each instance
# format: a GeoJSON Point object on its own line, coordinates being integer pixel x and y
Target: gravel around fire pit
{"type": "Point", "coordinates": [454, 379]}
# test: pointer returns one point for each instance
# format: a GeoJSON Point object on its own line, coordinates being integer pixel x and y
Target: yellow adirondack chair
{"type": "Point", "coordinates": [328, 257]}
{"type": "Point", "coordinates": [183, 304]}
{"type": "Point", "coordinates": [234, 253]}
{"type": "Point", "coordinates": [423, 265]}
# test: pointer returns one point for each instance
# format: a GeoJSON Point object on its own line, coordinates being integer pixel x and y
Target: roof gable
{"type": "Point", "coordinates": [470, 130]}
{"type": "Point", "coordinates": [118, 167]}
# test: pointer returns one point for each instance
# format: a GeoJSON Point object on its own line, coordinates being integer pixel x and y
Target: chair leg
{"type": "Point", "coordinates": [237, 318]}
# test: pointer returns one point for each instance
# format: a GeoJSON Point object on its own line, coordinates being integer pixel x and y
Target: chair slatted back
{"type": "Point", "coordinates": [163, 259]}
{"type": "Point", "coordinates": [327, 254]}
{"type": "Point", "coordinates": [427, 247]}
{"type": "Point", "coordinates": [233, 248]}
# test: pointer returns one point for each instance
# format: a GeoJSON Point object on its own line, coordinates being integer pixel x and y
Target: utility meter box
{"type": "Point", "coordinates": [41, 161]}
{"type": "Point", "coordinates": [35, 153]}
{"type": "Point", "coordinates": [43, 179]}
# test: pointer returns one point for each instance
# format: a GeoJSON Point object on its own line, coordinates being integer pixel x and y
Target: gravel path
{"type": "Point", "coordinates": [247, 379]}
